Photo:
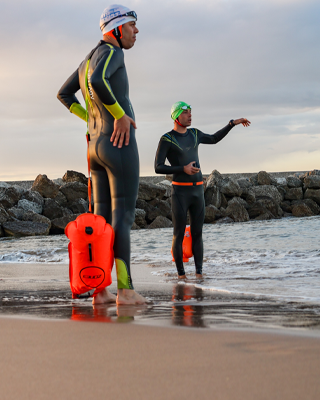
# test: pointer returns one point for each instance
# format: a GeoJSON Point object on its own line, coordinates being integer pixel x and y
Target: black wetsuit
{"type": "Point", "coordinates": [180, 149]}
{"type": "Point", "coordinates": [115, 171]}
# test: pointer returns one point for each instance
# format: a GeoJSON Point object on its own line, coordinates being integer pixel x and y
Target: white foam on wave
{"type": "Point", "coordinates": [44, 257]}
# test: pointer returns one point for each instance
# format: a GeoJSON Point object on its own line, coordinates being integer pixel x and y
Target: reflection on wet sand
{"type": "Point", "coordinates": [187, 314]}
{"type": "Point", "coordinates": [106, 313]}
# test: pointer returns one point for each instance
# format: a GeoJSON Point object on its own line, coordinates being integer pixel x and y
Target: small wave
{"type": "Point", "coordinates": [43, 257]}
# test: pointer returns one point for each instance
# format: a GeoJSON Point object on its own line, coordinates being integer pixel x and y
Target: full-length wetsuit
{"type": "Point", "coordinates": [181, 149]}
{"type": "Point", "coordinates": [115, 171]}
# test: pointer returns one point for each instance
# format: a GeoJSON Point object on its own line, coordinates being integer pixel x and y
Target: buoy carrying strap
{"type": "Point", "coordinates": [88, 135]}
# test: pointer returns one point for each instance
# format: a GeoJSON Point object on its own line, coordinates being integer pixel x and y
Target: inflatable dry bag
{"type": "Point", "coordinates": [186, 245]}
{"type": "Point", "coordinates": [90, 254]}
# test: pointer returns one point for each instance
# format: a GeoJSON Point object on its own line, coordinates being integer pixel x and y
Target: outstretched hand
{"type": "Point", "coordinates": [190, 169]}
{"type": "Point", "coordinates": [121, 131]}
{"type": "Point", "coordinates": [242, 121]}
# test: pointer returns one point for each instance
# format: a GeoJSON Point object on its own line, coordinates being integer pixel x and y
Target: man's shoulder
{"type": "Point", "coordinates": [103, 50]}
{"type": "Point", "coordinates": [168, 136]}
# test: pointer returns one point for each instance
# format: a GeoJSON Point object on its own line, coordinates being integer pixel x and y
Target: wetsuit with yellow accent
{"type": "Point", "coordinates": [181, 149]}
{"type": "Point", "coordinates": [115, 171]}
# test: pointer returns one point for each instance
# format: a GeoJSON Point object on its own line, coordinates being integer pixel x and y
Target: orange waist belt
{"type": "Point", "coordinates": [187, 183]}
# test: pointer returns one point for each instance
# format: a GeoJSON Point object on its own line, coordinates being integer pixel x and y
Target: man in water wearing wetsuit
{"type": "Point", "coordinates": [180, 147]}
{"type": "Point", "coordinates": [114, 167]}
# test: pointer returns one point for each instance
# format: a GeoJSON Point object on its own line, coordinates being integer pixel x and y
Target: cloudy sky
{"type": "Point", "coordinates": [227, 58]}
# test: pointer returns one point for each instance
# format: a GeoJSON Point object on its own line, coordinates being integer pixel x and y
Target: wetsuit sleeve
{"type": "Point", "coordinates": [214, 138]}
{"type": "Point", "coordinates": [67, 96]}
{"type": "Point", "coordinates": [161, 155]}
{"type": "Point", "coordinates": [100, 81]}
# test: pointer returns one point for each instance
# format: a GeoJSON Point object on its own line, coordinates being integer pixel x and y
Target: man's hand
{"type": "Point", "coordinates": [242, 121]}
{"type": "Point", "coordinates": [190, 169]}
{"type": "Point", "coordinates": [121, 130]}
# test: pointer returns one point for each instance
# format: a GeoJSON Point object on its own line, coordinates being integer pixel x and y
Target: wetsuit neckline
{"type": "Point", "coordinates": [181, 134]}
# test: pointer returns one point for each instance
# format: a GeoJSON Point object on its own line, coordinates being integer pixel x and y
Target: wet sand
{"type": "Point", "coordinates": [42, 359]}
{"type": "Point", "coordinates": [188, 344]}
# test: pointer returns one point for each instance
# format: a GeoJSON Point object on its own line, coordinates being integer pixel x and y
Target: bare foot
{"type": "Point", "coordinates": [129, 296]}
{"type": "Point", "coordinates": [182, 277]}
{"type": "Point", "coordinates": [104, 297]}
{"type": "Point", "coordinates": [199, 276]}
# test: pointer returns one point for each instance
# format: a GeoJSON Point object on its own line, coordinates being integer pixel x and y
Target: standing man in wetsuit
{"type": "Point", "coordinates": [114, 158]}
{"type": "Point", "coordinates": [180, 147]}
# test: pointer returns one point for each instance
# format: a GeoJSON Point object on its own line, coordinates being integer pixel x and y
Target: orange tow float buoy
{"type": "Point", "coordinates": [90, 254]}
{"type": "Point", "coordinates": [186, 245]}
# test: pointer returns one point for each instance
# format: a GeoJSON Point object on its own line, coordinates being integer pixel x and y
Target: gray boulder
{"type": "Point", "coordinates": [140, 218]}
{"type": "Point", "coordinates": [293, 182]}
{"type": "Point", "coordinates": [254, 179]}
{"type": "Point", "coordinates": [33, 196]}
{"type": "Point", "coordinates": [167, 185]}
{"type": "Point", "coordinates": [52, 210]}
{"type": "Point", "coordinates": [34, 217]}
{"type": "Point", "coordinates": [214, 179]}
{"type": "Point", "coordinates": [270, 205]}
{"type": "Point", "coordinates": [149, 191]}
{"type": "Point", "coordinates": [269, 191]}
{"type": "Point", "coordinates": [281, 181]}
{"type": "Point", "coordinates": [160, 222]}
{"type": "Point", "coordinates": [301, 210]}
{"type": "Point", "coordinates": [79, 206]}
{"type": "Point", "coordinates": [211, 214]}
{"type": "Point", "coordinates": [9, 196]}
{"type": "Point", "coordinates": [151, 212]}
{"type": "Point", "coordinates": [45, 187]}
{"type": "Point", "coordinates": [163, 206]}
{"type": "Point", "coordinates": [74, 191]}
{"type": "Point", "coordinates": [237, 211]}
{"type": "Point", "coordinates": [25, 228]}
{"type": "Point", "coordinates": [212, 196]}
{"type": "Point", "coordinates": [230, 187]}
{"type": "Point", "coordinates": [61, 199]}
{"type": "Point", "coordinates": [244, 183]}
{"type": "Point", "coordinates": [264, 178]}
{"type": "Point", "coordinates": [4, 215]}
{"type": "Point", "coordinates": [286, 206]}
{"type": "Point", "coordinates": [312, 182]}
{"type": "Point", "coordinates": [313, 194]}
{"type": "Point", "coordinates": [58, 225]}
{"type": "Point", "coordinates": [134, 227]}
{"type": "Point", "coordinates": [263, 217]}
{"type": "Point", "coordinates": [312, 205]}
{"type": "Point", "coordinates": [29, 206]}
{"type": "Point", "coordinates": [294, 193]}
{"type": "Point", "coordinates": [73, 176]}
{"type": "Point", "coordinates": [257, 209]}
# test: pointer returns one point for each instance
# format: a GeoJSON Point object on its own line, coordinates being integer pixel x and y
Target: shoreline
{"type": "Point", "coordinates": [42, 291]}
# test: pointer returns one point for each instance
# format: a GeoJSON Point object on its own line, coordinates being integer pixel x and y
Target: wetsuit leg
{"type": "Point", "coordinates": [179, 207]}
{"type": "Point", "coordinates": [101, 192]}
{"type": "Point", "coordinates": [122, 170]}
{"type": "Point", "coordinates": [196, 211]}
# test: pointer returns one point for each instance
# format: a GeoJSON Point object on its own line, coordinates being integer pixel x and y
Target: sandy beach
{"type": "Point", "coordinates": [182, 349]}
{"type": "Point", "coordinates": [80, 360]}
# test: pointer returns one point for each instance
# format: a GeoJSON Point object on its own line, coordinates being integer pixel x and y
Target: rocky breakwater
{"type": "Point", "coordinates": [260, 197]}
{"type": "Point", "coordinates": [47, 206]}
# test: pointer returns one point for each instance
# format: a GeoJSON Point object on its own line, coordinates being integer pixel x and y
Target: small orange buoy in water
{"type": "Point", "coordinates": [186, 245]}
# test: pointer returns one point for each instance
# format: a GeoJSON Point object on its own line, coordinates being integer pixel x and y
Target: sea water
{"type": "Point", "coordinates": [277, 259]}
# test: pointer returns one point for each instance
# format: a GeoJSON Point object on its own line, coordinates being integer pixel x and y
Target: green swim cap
{"type": "Point", "coordinates": [178, 108]}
